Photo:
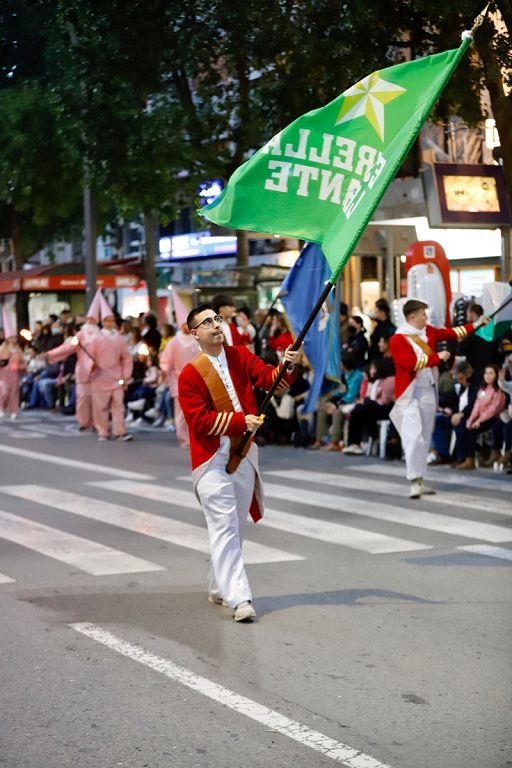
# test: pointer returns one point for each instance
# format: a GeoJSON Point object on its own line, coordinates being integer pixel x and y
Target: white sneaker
{"type": "Point", "coordinates": [137, 405]}
{"type": "Point", "coordinates": [128, 418]}
{"type": "Point", "coordinates": [158, 422]}
{"type": "Point", "coordinates": [14, 416]}
{"type": "Point", "coordinates": [152, 413]}
{"type": "Point", "coordinates": [138, 422]}
{"type": "Point", "coordinates": [353, 450]}
{"type": "Point", "coordinates": [416, 489]}
{"type": "Point", "coordinates": [102, 439]}
{"type": "Point", "coordinates": [216, 599]}
{"type": "Point", "coordinates": [2, 414]}
{"type": "Point", "coordinates": [427, 490]}
{"type": "Point", "coordinates": [244, 611]}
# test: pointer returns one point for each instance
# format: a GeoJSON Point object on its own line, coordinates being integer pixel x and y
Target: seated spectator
{"type": "Point", "coordinates": [43, 395]}
{"type": "Point", "coordinates": [384, 328]}
{"type": "Point", "coordinates": [279, 335]}
{"type": "Point", "coordinates": [125, 331]}
{"type": "Point", "coordinates": [150, 333]}
{"type": "Point", "coordinates": [35, 363]}
{"type": "Point", "coordinates": [246, 329]}
{"type": "Point", "coordinates": [478, 352]}
{"type": "Point", "coordinates": [383, 347]}
{"type": "Point", "coordinates": [485, 416]}
{"type": "Point", "coordinates": [357, 344]}
{"type": "Point", "coordinates": [45, 339]}
{"type": "Point", "coordinates": [446, 407]}
{"type": "Point", "coordinates": [505, 384]}
{"type": "Point", "coordinates": [454, 416]}
{"type": "Point", "coordinates": [134, 341]}
{"type": "Point", "coordinates": [142, 398]}
{"type": "Point", "coordinates": [168, 332]}
{"type": "Point", "coordinates": [333, 409]}
{"type": "Point", "coordinates": [375, 407]}
{"type": "Point", "coordinates": [286, 405]}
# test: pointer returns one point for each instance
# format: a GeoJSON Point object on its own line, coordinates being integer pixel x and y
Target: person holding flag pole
{"type": "Point", "coordinates": [322, 177]}
{"type": "Point", "coordinates": [217, 398]}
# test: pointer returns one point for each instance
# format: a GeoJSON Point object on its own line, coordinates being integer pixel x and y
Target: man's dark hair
{"type": "Point", "coordinates": [477, 309]}
{"type": "Point", "coordinates": [463, 367]}
{"type": "Point", "coordinates": [150, 321]}
{"type": "Point", "coordinates": [385, 367]}
{"type": "Point", "coordinates": [221, 300]}
{"type": "Point", "coordinates": [383, 305]}
{"type": "Point", "coordinates": [343, 309]}
{"type": "Point", "coordinates": [245, 309]}
{"type": "Point", "coordinates": [196, 311]}
{"type": "Point", "coordinates": [53, 318]}
{"type": "Point", "coordinates": [359, 320]}
{"type": "Point", "coordinates": [349, 361]}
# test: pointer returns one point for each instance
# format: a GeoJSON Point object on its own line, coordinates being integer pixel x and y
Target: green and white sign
{"type": "Point", "coordinates": [321, 178]}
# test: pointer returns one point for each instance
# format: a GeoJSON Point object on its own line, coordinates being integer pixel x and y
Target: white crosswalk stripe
{"type": "Point", "coordinates": [413, 517]}
{"type": "Point", "coordinates": [145, 523]}
{"type": "Point", "coordinates": [86, 555]}
{"type": "Point", "coordinates": [439, 475]}
{"type": "Point", "coordinates": [346, 481]}
{"type": "Point", "coordinates": [497, 552]}
{"type": "Point", "coordinates": [6, 579]}
{"type": "Point", "coordinates": [104, 469]}
{"type": "Point", "coordinates": [322, 530]}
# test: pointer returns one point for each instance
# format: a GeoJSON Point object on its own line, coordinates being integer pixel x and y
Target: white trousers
{"type": "Point", "coordinates": [416, 432]}
{"type": "Point", "coordinates": [226, 500]}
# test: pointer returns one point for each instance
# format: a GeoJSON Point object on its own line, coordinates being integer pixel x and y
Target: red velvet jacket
{"type": "Point", "coordinates": [407, 362]}
{"type": "Point", "coordinates": [205, 423]}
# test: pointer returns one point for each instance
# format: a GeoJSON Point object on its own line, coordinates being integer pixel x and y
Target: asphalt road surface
{"type": "Point", "coordinates": [383, 631]}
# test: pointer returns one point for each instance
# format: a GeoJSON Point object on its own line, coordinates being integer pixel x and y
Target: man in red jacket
{"type": "Point", "coordinates": [414, 351]}
{"type": "Point", "coordinates": [217, 398]}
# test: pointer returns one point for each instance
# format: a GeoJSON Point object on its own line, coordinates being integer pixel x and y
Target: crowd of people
{"type": "Point", "coordinates": [473, 425]}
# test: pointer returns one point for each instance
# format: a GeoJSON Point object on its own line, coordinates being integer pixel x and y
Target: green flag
{"type": "Point", "coordinates": [500, 323]}
{"type": "Point", "coordinates": [321, 178]}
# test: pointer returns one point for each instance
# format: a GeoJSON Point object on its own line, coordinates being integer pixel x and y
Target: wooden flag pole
{"type": "Point", "coordinates": [241, 450]}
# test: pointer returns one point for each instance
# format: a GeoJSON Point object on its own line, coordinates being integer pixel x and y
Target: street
{"type": "Point", "coordinates": [383, 630]}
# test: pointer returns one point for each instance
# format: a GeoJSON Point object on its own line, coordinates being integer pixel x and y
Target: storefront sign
{"type": "Point", "coordinates": [462, 195]}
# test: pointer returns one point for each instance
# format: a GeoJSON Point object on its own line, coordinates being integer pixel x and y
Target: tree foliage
{"type": "Point", "coordinates": [157, 96]}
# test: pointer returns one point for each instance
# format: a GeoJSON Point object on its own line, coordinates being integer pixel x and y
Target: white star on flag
{"type": "Point", "coordinates": [367, 99]}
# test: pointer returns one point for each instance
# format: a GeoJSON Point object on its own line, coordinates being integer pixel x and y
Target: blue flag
{"type": "Point", "coordinates": [302, 286]}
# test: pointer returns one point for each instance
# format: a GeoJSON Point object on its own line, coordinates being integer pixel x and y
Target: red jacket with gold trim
{"type": "Point", "coordinates": [205, 423]}
{"type": "Point", "coordinates": [407, 362]}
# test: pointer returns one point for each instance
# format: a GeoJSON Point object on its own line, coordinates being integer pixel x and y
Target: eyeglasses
{"type": "Point", "coordinates": [209, 321]}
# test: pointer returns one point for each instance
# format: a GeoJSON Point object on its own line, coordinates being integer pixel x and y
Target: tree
{"type": "Point", "coordinates": [40, 173]}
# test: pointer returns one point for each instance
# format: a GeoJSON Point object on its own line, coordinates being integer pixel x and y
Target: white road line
{"type": "Point", "coordinates": [334, 533]}
{"type": "Point", "coordinates": [74, 550]}
{"type": "Point", "coordinates": [498, 552]}
{"type": "Point", "coordinates": [469, 529]}
{"type": "Point", "coordinates": [344, 480]}
{"type": "Point", "coordinates": [336, 750]}
{"type": "Point", "coordinates": [6, 579]}
{"type": "Point", "coordinates": [144, 523]}
{"type": "Point", "coordinates": [63, 462]}
{"type": "Point", "coordinates": [439, 475]}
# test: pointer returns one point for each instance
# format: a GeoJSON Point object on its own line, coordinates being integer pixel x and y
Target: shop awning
{"type": "Point", "coordinates": [65, 277]}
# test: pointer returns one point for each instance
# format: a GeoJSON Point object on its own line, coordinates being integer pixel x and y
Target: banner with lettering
{"type": "Point", "coordinates": [321, 178]}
